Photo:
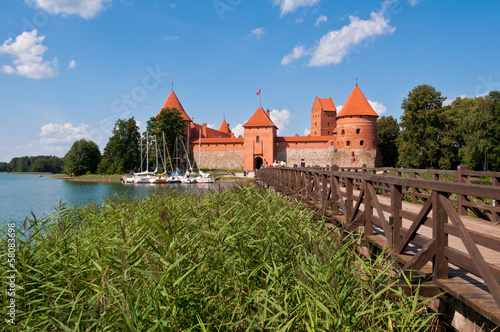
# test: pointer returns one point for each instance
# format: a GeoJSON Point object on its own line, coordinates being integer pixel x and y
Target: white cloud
{"type": "Point", "coordinates": [55, 137]}
{"type": "Point", "coordinates": [299, 20]}
{"type": "Point", "coordinates": [169, 38]}
{"type": "Point", "coordinates": [258, 32]}
{"type": "Point", "coordinates": [377, 107]}
{"type": "Point", "coordinates": [306, 132]}
{"type": "Point", "coordinates": [238, 130]}
{"type": "Point", "coordinates": [413, 2]}
{"type": "Point", "coordinates": [72, 64]}
{"type": "Point", "coordinates": [173, 5]}
{"type": "Point", "coordinates": [211, 126]}
{"type": "Point", "coordinates": [27, 55]}
{"type": "Point", "coordinates": [281, 119]}
{"type": "Point", "coordinates": [289, 6]}
{"type": "Point", "coordinates": [333, 47]}
{"type": "Point", "coordinates": [297, 53]}
{"type": "Point", "coordinates": [320, 19]}
{"type": "Point", "coordinates": [86, 9]}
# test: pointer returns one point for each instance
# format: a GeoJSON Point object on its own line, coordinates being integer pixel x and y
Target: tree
{"type": "Point", "coordinates": [170, 122]}
{"type": "Point", "coordinates": [83, 157]}
{"type": "Point", "coordinates": [121, 154]}
{"type": "Point", "coordinates": [427, 138]}
{"type": "Point", "coordinates": [478, 130]}
{"type": "Point", "coordinates": [387, 133]}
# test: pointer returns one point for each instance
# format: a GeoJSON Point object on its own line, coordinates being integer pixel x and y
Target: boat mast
{"type": "Point", "coordinates": [141, 155]}
{"type": "Point", "coordinates": [147, 152]}
{"type": "Point", "coordinates": [156, 153]}
{"type": "Point", "coordinates": [199, 154]}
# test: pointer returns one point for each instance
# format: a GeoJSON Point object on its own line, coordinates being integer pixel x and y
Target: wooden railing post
{"type": "Point", "coordinates": [439, 219]}
{"type": "Point", "coordinates": [460, 198]}
{"type": "Point", "coordinates": [367, 200]}
{"type": "Point", "coordinates": [495, 218]}
{"type": "Point", "coordinates": [349, 202]}
{"type": "Point", "coordinates": [396, 206]}
{"type": "Point", "coordinates": [334, 196]}
{"type": "Point", "coordinates": [414, 190]}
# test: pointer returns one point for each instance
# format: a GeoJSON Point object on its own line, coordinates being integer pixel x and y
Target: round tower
{"type": "Point", "coordinates": [357, 128]}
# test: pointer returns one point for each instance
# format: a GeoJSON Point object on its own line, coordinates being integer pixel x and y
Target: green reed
{"type": "Point", "coordinates": [234, 260]}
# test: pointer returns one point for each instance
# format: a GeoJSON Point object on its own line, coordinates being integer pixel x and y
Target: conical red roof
{"type": "Point", "coordinates": [259, 119]}
{"type": "Point", "coordinates": [357, 105]}
{"type": "Point", "coordinates": [173, 102]}
{"type": "Point", "coordinates": [224, 127]}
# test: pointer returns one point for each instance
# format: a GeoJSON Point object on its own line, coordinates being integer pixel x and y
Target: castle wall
{"type": "Point", "coordinates": [219, 159]}
{"type": "Point", "coordinates": [354, 157]}
{"type": "Point", "coordinates": [312, 157]}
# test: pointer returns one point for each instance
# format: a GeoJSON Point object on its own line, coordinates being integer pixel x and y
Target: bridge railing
{"type": "Point", "coordinates": [484, 209]}
{"type": "Point", "coordinates": [352, 198]}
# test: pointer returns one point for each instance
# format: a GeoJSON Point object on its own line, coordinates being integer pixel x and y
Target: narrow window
{"type": "Point", "coordinates": [343, 132]}
{"type": "Point", "coordinates": [257, 139]}
{"type": "Point", "coordinates": [352, 154]}
{"type": "Point", "coordinates": [328, 124]}
{"type": "Point", "coordinates": [348, 143]}
{"type": "Point", "coordinates": [361, 142]}
{"type": "Point", "coordinates": [358, 131]}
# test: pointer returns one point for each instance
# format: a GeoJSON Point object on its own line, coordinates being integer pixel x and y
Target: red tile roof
{"type": "Point", "coordinates": [224, 127]}
{"type": "Point", "coordinates": [327, 104]}
{"type": "Point", "coordinates": [211, 133]}
{"type": "Point", "coordinates": [259, 119]}
{"type": "Point", "coordinates": [356, 105]}
{"type": "Point", "coordinates": [173, 102]}
{"type": "Point", "coordinates": [231, 140]}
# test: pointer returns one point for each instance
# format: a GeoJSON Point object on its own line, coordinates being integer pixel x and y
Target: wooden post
{"type": "Point", "coordinates": [495, 215]}
{"type": "Point", "coordinates": [396, 206]}
{"type": "Point", "coordinates": [368, 209]}
{"type": "Point", "coordinates": [349, 202]}
{"type": "Point", "coordinates": [384, 192]}
{"type": "Point", "coordinates": [439, 219]}
{"type": "Point", "coordinates": [414, 190]}
{"type": "Point", "coordinates": [460, 198]}
{"type": "Point", "coordinates": [334, 196]}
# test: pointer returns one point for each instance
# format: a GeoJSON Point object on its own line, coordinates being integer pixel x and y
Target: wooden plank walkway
{"type": "Point", "coordinates": [461, 284]}
{"type": "Point", "coordinates": [454, 252]}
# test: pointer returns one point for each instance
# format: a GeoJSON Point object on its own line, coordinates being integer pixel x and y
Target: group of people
{"type": "Point", "coordinates": [281, 163]}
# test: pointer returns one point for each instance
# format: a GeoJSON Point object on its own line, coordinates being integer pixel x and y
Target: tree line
{"type": "Point", "coordinates": [122, 153]}
{"type": "Point", "coordinates": [36, 164]}
{"type": "Point", "coordinates": [431, 135]}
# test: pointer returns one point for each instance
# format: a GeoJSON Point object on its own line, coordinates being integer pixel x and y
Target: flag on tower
{"type": "Point", "coordinates": [258, 93]}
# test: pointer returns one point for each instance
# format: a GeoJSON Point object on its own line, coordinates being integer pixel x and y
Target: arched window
{"type": "Point", "coordinates": [361, 142]}
{"type": "Point", "coordinates": [358, 131]}
{"type": "Point", "coordinates": [257, 139]}
{"type": "Point", "coordinates": [348, 143]}
{"type": "Point", "coordinates": [352, 154]}
{"type": "Point", "coordinates": [343, 132]}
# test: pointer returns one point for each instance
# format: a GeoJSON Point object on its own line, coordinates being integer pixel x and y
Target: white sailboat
{"type": "Point", "coordinates": [203, 177]}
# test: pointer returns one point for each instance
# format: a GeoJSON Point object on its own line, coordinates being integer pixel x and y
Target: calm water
{"type": "Point", "coordinates": [22, 194]}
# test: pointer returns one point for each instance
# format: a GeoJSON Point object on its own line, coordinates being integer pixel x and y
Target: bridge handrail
{"type": "Point", "coordinates": [334, 190]}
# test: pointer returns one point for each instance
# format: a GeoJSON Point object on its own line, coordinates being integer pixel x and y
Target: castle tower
{"type": "Point", "coordinates": [173, 102]}
{"type": "Point", "coordinates": [259, 140]}
{"type": "Point", "coordinates": [323, 121]}
{"type": "Point", "coordinates": [357, 128]}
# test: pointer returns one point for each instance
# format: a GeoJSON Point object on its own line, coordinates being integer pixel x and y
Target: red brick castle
{"type": "Point", "coordinates": [348, 138]}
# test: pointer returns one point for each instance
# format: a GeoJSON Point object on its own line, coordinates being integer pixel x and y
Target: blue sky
{"type": "Point", "coordinates": [70, 68]}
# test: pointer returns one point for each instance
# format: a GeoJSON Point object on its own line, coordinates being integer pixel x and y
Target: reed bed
{"type": "Point", "coordinates": [236, 260]}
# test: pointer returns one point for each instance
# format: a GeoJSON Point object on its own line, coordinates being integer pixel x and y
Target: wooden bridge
{"type": "Point", "coordinates": [441, 225]}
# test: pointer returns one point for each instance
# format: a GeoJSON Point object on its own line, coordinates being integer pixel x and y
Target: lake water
{"type": "Point", "coordinates": [25, 193]}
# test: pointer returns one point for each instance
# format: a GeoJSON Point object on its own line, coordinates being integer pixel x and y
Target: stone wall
{"type": "Point", "coordinates": [229, 159]}
{"type": "Point", "coordinates": [312, 157]}
{"type": "Point", "coordinates": [355, 157]}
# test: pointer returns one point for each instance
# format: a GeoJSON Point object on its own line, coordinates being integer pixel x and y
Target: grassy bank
{"type": "Point", "coordinates": [233, 260]}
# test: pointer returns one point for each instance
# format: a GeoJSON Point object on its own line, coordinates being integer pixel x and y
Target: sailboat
{"type": "Point", "coordinates": [188, 176]}
{"type": "Point", "coordinates": [143, 176]}
{"type": "Point", "coordinates": [203, 177]}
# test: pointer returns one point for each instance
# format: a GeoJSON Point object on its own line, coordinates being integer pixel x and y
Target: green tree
{"type": "Point", "coordinates": [84, 156]}
{"type": "Point", "coordinates": [170, 122]}
{"type": "Point", "coordinates": [387, 133]}
{"type": "Point", "coordinates": [479, 132]}
{"type": "Point", "coordinates": [427, 138]}
{"type": "Point", "coordinates": [121, 154]}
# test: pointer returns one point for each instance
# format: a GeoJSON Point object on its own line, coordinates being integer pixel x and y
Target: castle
{"type": "Point", "coordinates": [348, 138]}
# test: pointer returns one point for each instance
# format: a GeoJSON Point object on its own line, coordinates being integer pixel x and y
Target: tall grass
{"type": "Point", "coordinates": [233, 260]}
